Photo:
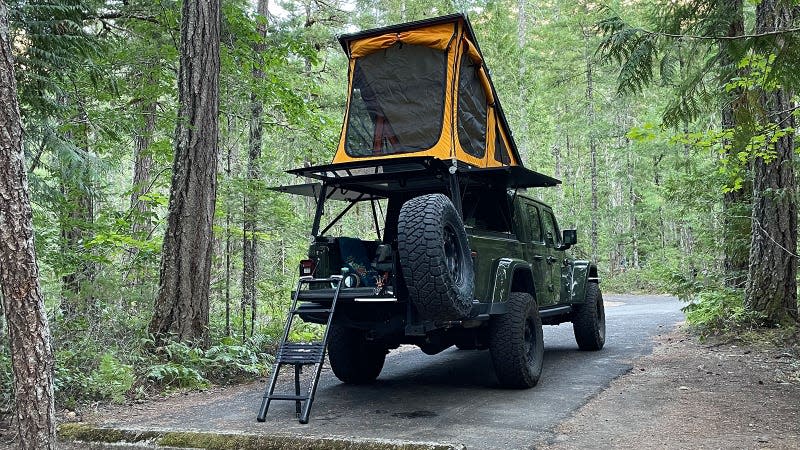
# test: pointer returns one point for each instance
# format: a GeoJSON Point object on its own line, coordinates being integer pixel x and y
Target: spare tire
{"type": "Point", "coordinates": [435, 258]}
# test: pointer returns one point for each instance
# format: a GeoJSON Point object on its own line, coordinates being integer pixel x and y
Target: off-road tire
{"type": "Point", "coordinates": [516, 343]}
{"type": "Point", "coordinates": [435, 258]}
{"type": "Point", "coordinates": [353, 359]}
{"type": "Point", "coordinates": [589, 320]}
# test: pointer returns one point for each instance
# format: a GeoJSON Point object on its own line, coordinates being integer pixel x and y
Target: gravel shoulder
{"type": "Point", "coordinates": [692, 394]}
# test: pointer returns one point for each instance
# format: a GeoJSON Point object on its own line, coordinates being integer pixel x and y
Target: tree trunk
{"type": "Point", "coordinates": [23, 305]}
{"type": "Point", "coordinates": [76, 216]}
{"type": "Point", "coordinates": [735, 204]}
{"type": "Point", "coordinates": [249, 248]}
{"type": "Point", "coordinates": [662, 226]}
{"type": "Point", "coordinates": [592, 153]}
{"type": "Point", "coordinates": [772, 277]}
{"type": "Point", "coordinates": [632, 200]}
{"type": "Point", "coordinates": [522, 72]}
{"type": "Point", "coordinates": [181, 307]}
{"type": "Point", "coordinates": [141, 224]}
{"type": "Point", "coordinates": [228, 246]}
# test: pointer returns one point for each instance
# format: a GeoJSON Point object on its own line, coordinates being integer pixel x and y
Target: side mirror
{"type": "Point", "coordinates": [570, 238]}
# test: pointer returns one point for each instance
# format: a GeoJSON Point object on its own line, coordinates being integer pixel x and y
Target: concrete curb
{"type": "Point", "coordinates": [89, 433]}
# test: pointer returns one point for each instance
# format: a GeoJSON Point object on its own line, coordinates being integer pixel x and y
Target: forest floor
{"type": "Point", "coordinates": [715, 393]}
{"type": "Point", "coordinates": [687, 393]}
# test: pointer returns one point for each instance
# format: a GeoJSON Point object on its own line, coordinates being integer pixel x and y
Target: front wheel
{"type": "Point", "coordinates": [353, 359]}
{"type": "Point", "coordinates": [589, 320]}
{"type": "Point", "coordinates": [516, 343]}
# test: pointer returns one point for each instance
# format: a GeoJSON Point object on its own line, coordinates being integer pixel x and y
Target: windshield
{"type": "Point", "coordinates": [397, 102]}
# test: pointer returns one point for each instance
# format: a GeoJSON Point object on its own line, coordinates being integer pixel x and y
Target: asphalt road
{"type": "Point", "coordinates": [451, 397]}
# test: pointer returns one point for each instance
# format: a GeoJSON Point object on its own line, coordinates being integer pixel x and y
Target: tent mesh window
{"type": "Point", "coordinates": [397, 102]}
{"type": "Point", "coordinates": [471, 109]}
{"type": "Point", "coordinates": [500, 152]}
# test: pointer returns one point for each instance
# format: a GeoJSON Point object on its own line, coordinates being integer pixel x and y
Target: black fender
{"type": "Point", "coordinates": [575, 276]}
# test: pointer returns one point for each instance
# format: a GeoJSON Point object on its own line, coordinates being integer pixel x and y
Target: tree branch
{"type": "Point", "coordinates": [718, 38]}
{"type": "Point", "coordinates": [125, 16]}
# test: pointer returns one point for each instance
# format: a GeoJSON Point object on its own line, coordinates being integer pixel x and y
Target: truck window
{"type": "Point", "coordinates": [535, 223]}
{"type": "Point", "coordinates": [487, 210]}
{"type": "Point", "coordinates": [552, 235]}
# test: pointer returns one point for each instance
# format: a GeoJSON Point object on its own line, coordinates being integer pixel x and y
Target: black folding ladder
{"type": "Point", "coordinates": [299, 354]}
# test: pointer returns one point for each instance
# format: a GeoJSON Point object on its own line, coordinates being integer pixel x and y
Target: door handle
{"type": "Point", "coordinates": [538, 257]}
{"type": "Point", "coordinates": [551, 259]}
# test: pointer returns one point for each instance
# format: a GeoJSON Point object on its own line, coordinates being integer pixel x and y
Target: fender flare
{"type": "Point", "coordinates": [511, 274]}
{"type": "Point", "coordinates": [579, 273]}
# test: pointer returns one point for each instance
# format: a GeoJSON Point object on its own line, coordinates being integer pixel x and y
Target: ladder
{"type": "Point", "coordinates": [299, 354]}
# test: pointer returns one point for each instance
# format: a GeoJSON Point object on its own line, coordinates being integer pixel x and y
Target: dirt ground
{"type": "Point", "coordinates": [687, 394]}
{"type": "Point", "coordinates": [692, 394]}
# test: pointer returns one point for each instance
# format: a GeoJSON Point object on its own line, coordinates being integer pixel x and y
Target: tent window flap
{"type": "Point", "coordinates": [397, 101]}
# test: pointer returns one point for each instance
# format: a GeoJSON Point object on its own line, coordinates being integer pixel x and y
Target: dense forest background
{"type": "Point", "coordinates": [628, 103]}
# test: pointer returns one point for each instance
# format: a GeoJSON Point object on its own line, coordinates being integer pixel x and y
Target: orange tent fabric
{"type": "Point", "coordinates": [454, 38]}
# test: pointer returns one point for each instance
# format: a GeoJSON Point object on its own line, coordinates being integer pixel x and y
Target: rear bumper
{"type": "Point", "coordinates": [363, 294]}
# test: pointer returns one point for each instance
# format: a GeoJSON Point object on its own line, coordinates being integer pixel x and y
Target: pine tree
{"type": "Point", "coordinates": [182, 304]}
{"type": "Point", "coordinates": [23, 305]}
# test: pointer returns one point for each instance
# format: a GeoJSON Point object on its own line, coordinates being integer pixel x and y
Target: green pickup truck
{"type": "Point", "coordinates": [462, 254]}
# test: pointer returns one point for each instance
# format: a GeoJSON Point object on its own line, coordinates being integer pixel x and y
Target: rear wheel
{"type": "Point", "coordinates": [353, 359]}
{"type": "Point", "coordinates": [435, 258]}
{"type": "Point", "coordinates": [589, 320]}
{"type": "Point", "coordinates": [516, 343]}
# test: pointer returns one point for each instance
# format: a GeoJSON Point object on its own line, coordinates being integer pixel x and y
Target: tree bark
{"type": "Point", "coordinates": [772, 277]}
{"type": "Point", "coordinates": [250, 244]}
{"type": "Point", "coordinates": [23, 305]}
{"type": "Point", "coordinates": [182, 304]}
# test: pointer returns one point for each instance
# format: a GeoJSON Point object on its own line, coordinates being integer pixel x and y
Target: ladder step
{"type": "Point", "coordinates": [288, 397]}
{"type": "Point", "coordinates": [311, 310]}
{"type": "Point", "coordinates": [300, 353]}
{"type": "Point", "coordinates": [332, 279]}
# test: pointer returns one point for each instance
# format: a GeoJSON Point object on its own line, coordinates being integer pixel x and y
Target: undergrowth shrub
{"type": "Point", "coordinates": [6, 382]}
{"type": "Point", "coordinates": [720, 309]}
{"type": "Point", "coordinates": [177, 365]}
{"type": "Point", "coordinates": [112, 379]}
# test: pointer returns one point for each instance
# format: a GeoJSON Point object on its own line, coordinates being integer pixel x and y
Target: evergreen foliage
{"type": "Point", "coordinates": [88, 71]}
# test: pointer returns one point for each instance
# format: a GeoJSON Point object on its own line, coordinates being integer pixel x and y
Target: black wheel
{"type": "Point", "coordinates": [353, 359]}
{"type": "Point", "coordinates": [589, 320]}
{"type": "Point", "coordinates": [435, 258]}
{"type": "Point", "coordinates": [516, 343]}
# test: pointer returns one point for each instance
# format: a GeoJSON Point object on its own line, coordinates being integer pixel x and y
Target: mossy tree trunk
{"type": "Point", "coordinates": [23, 305]}
{"type": "Point", "coordinates": [772, 276]}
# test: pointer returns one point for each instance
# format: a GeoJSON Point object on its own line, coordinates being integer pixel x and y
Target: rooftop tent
{"type": "Point", "coordinates": [422, 89]}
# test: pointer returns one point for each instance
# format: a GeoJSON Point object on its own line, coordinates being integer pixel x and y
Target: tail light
{"type": "Point", "coordinates": [307, 267]}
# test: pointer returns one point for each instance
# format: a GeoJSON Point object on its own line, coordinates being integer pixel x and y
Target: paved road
{"type": "Point", "coordinates": [450, 397]}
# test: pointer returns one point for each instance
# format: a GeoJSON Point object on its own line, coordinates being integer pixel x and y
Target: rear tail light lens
{"type": "Point", "coordinates": [307, 267]}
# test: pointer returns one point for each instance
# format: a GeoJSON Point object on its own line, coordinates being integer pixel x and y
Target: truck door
{"type": "Point", "coordinates": [536, 253]}
{"type": "Point", "coordinates": [554, 258]}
